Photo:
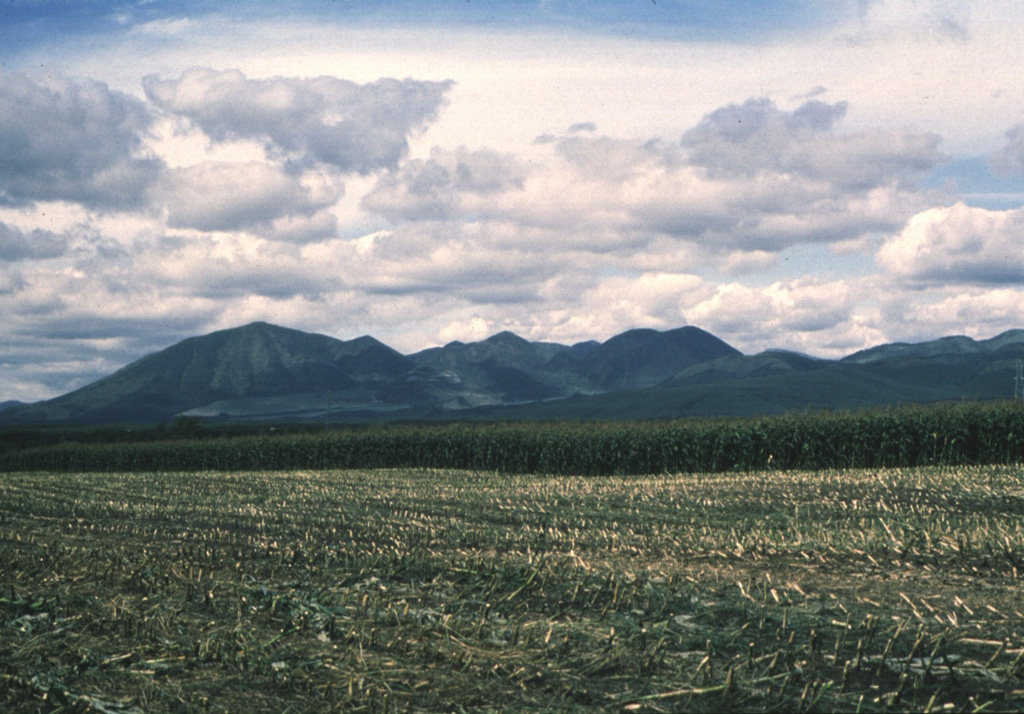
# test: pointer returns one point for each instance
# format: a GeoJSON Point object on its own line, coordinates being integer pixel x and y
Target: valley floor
{"type": "Point", "coordinates": [431, 590]}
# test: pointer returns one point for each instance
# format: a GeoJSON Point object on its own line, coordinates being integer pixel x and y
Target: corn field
{"type": "Point", "coordinates": [956, 434]}
{"type": "Point", "coordinates": [422, 590]}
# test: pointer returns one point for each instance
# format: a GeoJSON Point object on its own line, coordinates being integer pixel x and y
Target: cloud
{"type": "Point", "coordinates": [934, 310]}
{"type": "Point", "coordinates": [587, 126]}
{"type": "Point", "coordinates": [229, 196]}
{"type": "Point", "coordinates": [474, 330]}
{"type": "Point", "coordinates": [444, 185]}
{"type": "Point", "coordinates": [165, 26]}
{"type": "Point", "coordinates": [655, 299]}
{"type": "Point", "coordinates": [478, 265]}
{"type": "Point", "coordinates": [65, 327]}
{"type": "Point", "coordinates": [748, 177]}
{"type": "Point", "coordinates": [11, 281]}
{"type": "Point", "coordinates": [38, 369]}
{"type": "Point", "coordinates": [481, 263]}
{"type": "Point", "coordinates": [741, 261]}
{"type": "Point", "coordinates": [35, 245]}
{"type": "Point", "coordinates": [303, 228]}
{"type": "Point", "coordinates": [756, 137]}
{"type": "Point", "coordinates": [816, 91]}
{"type": "Point", "coordinates": [229, 267]}
{"type": "Point", "coordinates": [958, 244]}
{"type": "Point", "coordinates": [942, 20]}
{"type": "Point", "coordinates": [1009, 161]}
{"type": "Point", "coordinates": [809, 314]}
{"type": "Point", "coordinates": [351, 127]}
{"type": "Point", "coordinates": [72, 141]}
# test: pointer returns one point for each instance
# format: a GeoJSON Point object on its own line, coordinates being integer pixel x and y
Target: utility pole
{"type": "Point", "coordinates": [1018, 381]}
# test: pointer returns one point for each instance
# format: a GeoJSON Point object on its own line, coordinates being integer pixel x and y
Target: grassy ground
{"type": "Point", "coordinates": [455, 591]}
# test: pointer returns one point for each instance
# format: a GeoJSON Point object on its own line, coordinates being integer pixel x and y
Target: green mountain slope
{"type": "Point", "coordinates": [505, 367]}
{"type": "Point", "coordinates": [254, 361]}
{"type": "Point", "coordinates": [642, 358]}
{"type": "Point", "coordinates": [264, 372]}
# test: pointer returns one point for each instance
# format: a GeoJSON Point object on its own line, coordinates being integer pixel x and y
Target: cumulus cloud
{"type": "Point", "coordinates": [958, 244]}
{"type": "Point", "coordinates": [227, 196]}
{"type": "Point", "coordinates": [73, 141]}
{"type": "Point", "coordinates": [474, 330]}
{"type": "Point", "coordinates": [302, 228]}
{"type": "Point", "coordinates": [352, 127]}
{"type": "Point", "coordinates": [475, 264]}
{"type": "Point", "coordinates": [809, 314]}
{"type": "Point", "coordinates": [757, 137]}
{"type": "Point", "coordinates": [34, 245]}
{"type": "Point", "coordinates": [444, 185]}
{"type": "Point", "coordinates": [749, 177]}
{"type": "Point", "coordinates": [478, 262]}
{"type": "Point", "coordinates": [229, 267]}
{"type": "Point", "coordinates": [652, 299]}
{"type": "Point", "coordinates": [934, 310]}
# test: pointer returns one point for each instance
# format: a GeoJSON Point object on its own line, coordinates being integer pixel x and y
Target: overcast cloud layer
{"type": "Point", "coordinates": [819, 176]}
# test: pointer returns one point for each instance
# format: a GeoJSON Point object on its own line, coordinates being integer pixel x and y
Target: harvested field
{"type": "Point", "coordinates": [437, 590]}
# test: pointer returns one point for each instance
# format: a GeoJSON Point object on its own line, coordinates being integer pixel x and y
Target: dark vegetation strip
{"type": "Point", "coordinates": [966, 433]}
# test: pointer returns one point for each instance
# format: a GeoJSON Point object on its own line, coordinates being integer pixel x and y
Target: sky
{"type": "Point", "coordinates": [814, 175]}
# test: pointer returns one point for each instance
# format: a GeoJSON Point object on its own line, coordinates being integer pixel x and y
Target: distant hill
{"type": "Point", "coordinates": [10, 403]}
{"type": "Point", "coordinates": [264, 372]}
{"type": "Point", "coordinates": [643, 358]}
{"type": "Point", "coordinates": [250, 362]}
{"type": "Point", "coordinates": [944, 349]}
{"type": "Point", "coordinates": [503, 368]}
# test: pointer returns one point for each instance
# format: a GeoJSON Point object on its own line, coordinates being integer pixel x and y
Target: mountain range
{"type": "Point", "coordinates": [262, 372]}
